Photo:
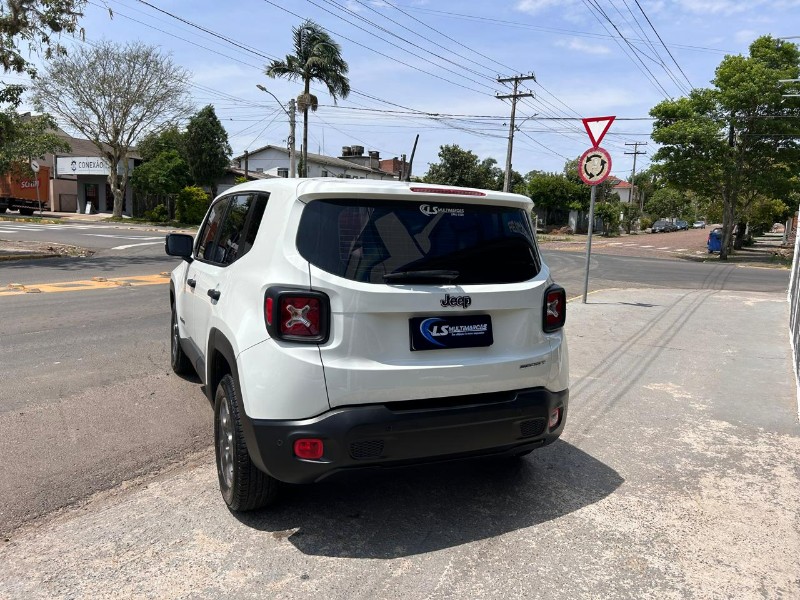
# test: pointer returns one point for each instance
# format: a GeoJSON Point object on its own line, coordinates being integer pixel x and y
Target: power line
{"type": "Point", "coordinates": [663, 44]}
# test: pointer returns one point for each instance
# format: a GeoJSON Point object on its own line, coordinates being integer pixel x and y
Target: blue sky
{"type": "Point", "coordinates": [424, 58]}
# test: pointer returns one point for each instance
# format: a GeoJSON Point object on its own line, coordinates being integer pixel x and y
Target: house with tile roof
{"type": "Point", "coordinates": [353, 164]}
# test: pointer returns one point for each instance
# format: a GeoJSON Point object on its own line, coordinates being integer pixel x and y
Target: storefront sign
{"type": "Point", "coordinates": [81, 165]}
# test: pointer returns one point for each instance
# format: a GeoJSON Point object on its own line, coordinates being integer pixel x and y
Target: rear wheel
{"type": "Point", "coordinates": [181, 364]}
{"type": "Point", "coordinates": [27, 212]}
{"type": "Point", "coordinates": [243, 485]}
{"type": "Point", "coordinates": [3, 209]}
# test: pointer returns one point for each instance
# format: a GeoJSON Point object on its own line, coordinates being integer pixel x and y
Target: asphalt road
{"type": "Point", "coordinates": [676, 478]}
{"type": "Point", "coordinates": [88, 399]}
{"type": "Point", "coordinates": [95, 236]}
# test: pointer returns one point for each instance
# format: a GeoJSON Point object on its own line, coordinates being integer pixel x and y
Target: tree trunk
{"type": "Point", "coordinates": [113, 182]}
{"type": "Point", "coordinates": [305, 143]}
{"type": "Point", "coordinates": [738, 241]}
{"type": "Point", "coordinates": [727, 224]}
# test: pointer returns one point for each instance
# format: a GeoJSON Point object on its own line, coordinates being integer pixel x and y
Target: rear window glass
{"type": "Point", "coordinates": [366, 240]}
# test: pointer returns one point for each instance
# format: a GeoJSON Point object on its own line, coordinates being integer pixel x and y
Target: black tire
{"type": "Point", "coordinates": [180, 363]}
{"type": "Point", "coordinates": [243, 486]}
{"type": "Point", "coordinates": [26, 212]}
{"type": "Point", "coordinates": [3, 210]}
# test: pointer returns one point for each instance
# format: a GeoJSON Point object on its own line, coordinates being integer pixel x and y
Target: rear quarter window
{"type": "Point", "coordinates": [364, 240]}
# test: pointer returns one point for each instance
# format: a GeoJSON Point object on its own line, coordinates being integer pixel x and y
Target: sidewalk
{"type": "Point", "coordinates": [676, 477]}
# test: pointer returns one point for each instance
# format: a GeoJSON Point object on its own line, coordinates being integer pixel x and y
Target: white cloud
{"type": "Point", "coordinates": [730, 7]}
{"type": "Point", "coordinates": [534, 6]}
{"type": "Point", "coordinates": [583, 46]}
{"type": "Point", "coordinates": [745, 36]}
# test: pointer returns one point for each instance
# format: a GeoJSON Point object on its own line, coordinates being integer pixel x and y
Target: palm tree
{"type": "Point", "coordinates": [316, 58]}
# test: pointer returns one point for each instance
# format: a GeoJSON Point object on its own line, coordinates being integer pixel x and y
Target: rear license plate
{"type": "Point", "coordinates": [440, 333]}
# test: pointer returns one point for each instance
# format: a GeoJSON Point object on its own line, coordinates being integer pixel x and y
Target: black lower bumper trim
{"type": "Point", "coordinates": [368, 436]}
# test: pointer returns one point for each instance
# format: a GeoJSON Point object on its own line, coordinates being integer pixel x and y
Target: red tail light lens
{"type": "Point", "coordinates": [309, 448]}
{"type": "Point", "coordinates": [554, 313]}
{"type": "Point", "coordinates": [297, 315]}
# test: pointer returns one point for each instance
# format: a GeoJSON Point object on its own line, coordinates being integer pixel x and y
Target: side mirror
{"type": "Point", "coordinates": [179, 244]}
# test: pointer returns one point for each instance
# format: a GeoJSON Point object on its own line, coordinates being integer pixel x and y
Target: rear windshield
{"type": "Point", "coordinates": [367, 240]}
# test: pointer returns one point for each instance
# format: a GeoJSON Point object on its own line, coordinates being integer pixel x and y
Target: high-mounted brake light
{"type": "Point", "coordinates": [451, 191]}
{"type": "Point", "coordinates": [554, 311]}
{"type": "Point", "coordinates": [297, 315]}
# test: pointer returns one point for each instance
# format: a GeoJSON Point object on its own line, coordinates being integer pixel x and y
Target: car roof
{"type": "Point", "coordinates": [322, 187]}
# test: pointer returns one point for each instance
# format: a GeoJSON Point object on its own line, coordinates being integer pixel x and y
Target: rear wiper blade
{"type": "Point", "coordinates": [429, 275]}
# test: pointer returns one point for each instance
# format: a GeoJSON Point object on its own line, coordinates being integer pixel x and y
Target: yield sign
{"type": "Point", "coordinates": [597, 127]}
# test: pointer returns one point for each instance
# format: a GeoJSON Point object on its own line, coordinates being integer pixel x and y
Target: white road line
{"type": "Point", "coordinates": [664, 248]}
{"type": "Point", "coordinates": [134, 245]}
{"type": "Point", "coordinates": [615, 244]}
{"type": "Point", "coordinates": [681, 250]}
{"type": "Point", "coordinates": [125, 237]}
{"type": "Point", "coordinates": [646, 246]}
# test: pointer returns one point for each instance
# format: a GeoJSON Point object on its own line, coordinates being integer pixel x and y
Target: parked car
{"type": "Point", "coordinates": [681, 225]}
{"type": "Point", "coordinates": [661, 226]}
{"type": "Point", "coordinates": [699, 225]}
{"type": "Point", "coordinates": [342, 324]}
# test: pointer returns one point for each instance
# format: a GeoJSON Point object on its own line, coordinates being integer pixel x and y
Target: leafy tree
{"type": "Point", "coordinates": [738, 139]}
{"type": "Point", "coordinates": [35, 22]}
{"type": "Point", "coordinates": [552, 191]}
{"type": "Point", "coordinates": [191, 205]}
{"type": "Point", "coordinates": [316, 58]}
{"type": "Point", "coordinates": [207, 149]}
{"type": "Point", "coordinates": [630, 214]}
{"type": "Point", "coordinates": [134, 90]}
{"type": "Point", "coordinates": [26, 137]}
{"type": "Point", "coordinates": [162, 178]}
{"type": "Point", "coordinates": [462, 168]}
{"type": "Point", "coordinates": [609, 212]}
{"type": "Point", "coordinates": [154, 143]}
{"type": "Point", "coordinates": [666, 203]}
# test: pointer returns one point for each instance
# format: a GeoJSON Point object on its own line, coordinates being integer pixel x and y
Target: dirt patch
{"type": "Point", "coordinates": [21, 249]}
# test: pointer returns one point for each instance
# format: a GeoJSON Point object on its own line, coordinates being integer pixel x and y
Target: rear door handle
{"type": "Point", "coordinates": [191, 283]}
{"type": "Point", "coordinates": [214, 294]}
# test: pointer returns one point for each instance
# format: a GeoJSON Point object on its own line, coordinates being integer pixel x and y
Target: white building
{"type": "Point", "coordinates": [353, 164]}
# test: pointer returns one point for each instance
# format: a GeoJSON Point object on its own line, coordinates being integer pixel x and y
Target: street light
{"type": "Point", "coordinates": [290, 113]}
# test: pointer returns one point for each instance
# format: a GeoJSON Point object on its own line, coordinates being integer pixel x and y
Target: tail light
{"type": "Point", "coordinates": [554, 311]}
{"type": "Point", "coordinates": [297, 315]}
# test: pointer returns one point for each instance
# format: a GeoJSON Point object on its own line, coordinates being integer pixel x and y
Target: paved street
{"type": "Point", "coordinates": [671, 481]}
{"type": "Point", "coordinates": [91, 235]}
{"type": "Point", "coordinates": [661, 436]}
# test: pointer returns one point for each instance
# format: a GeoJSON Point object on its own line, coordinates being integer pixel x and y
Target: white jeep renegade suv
{"type": "Point", "coordinates": [342, 324]}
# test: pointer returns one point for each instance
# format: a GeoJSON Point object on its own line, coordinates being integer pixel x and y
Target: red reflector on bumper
{"type": "Point", "coordinates": [308, 448]}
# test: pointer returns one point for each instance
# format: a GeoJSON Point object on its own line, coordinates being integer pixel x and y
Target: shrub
{"type": "Point", "coordinates": [159, 214]}
{"type": "Point", "coordinates": [191, 205]}
{"type": "Point", "coordinates": [645, 222]}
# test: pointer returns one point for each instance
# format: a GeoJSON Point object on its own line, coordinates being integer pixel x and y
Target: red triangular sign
{"type": "Point", "coordinates": [597, 127]}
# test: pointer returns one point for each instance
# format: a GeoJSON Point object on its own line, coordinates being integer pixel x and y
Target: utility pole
{"type": "Point", "coordinates": [291, 114]}
{"type": "Point", "coordinates": [516, 79]}
{"type": "Point", "coordinates": [292, 155]}
{"type": "Point", "coordinates": [633, 173]}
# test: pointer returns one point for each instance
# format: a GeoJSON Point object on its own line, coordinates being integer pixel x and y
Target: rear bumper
{"type": "Point", "coordinates": [399, 434]}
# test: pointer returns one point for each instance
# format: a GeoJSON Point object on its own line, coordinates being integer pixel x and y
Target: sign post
{"type": "Point", "coordinates": [594, 166]}
{"type": "Point", "coordinates": [35, 169]}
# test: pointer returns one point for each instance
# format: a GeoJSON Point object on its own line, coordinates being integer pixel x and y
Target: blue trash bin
{"type": "Point", "coordinates": [715, 240]}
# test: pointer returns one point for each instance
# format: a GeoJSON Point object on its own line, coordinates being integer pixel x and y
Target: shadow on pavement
{"type": "Point", "coordinates": [404, 512]}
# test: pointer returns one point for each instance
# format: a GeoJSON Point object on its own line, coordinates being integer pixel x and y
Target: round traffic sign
{"type": "Point", "coordinates": [594, 166]}
{"type": "Point", "coordinates": [34, 166]}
